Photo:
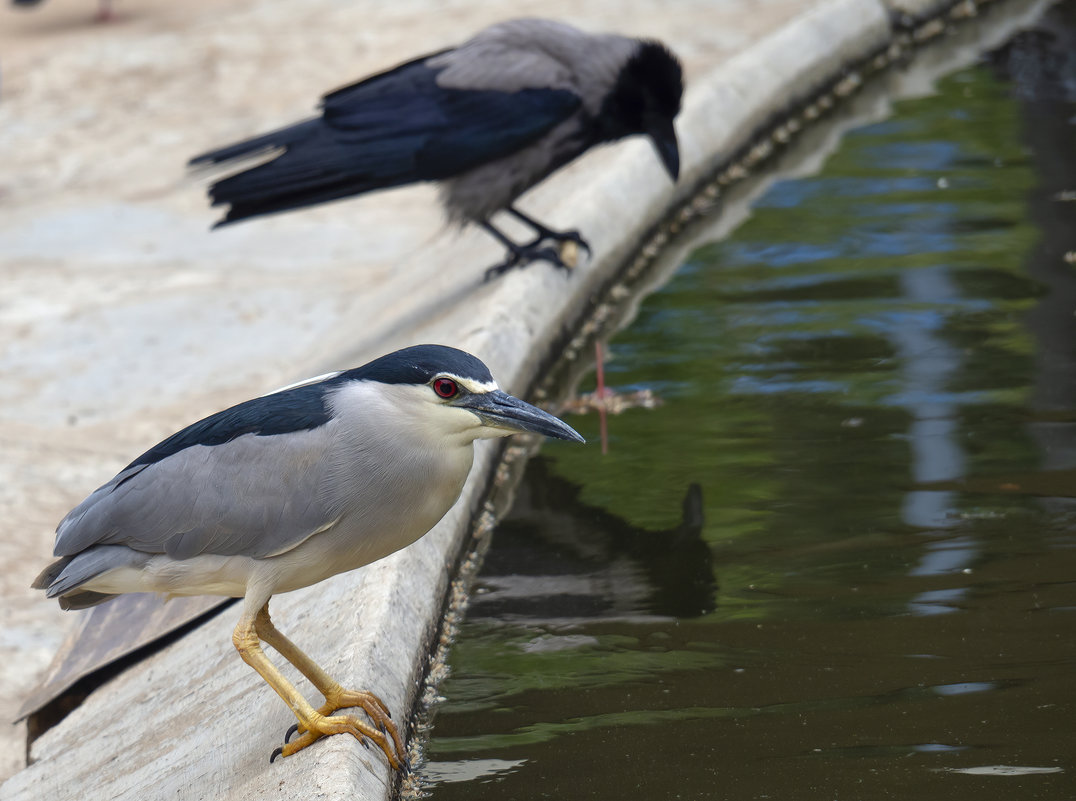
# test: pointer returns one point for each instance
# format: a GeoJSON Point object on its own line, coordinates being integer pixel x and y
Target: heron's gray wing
{"type": "Point", "coordinates": [244, 480]}
{"type": "Point", "coordinates": [254, 495]}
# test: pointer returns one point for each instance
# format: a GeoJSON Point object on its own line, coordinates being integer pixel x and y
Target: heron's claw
{"type": "Point", "coordinates": [385, 735]}
{"type": "Point", "coordinates": [319, 726]}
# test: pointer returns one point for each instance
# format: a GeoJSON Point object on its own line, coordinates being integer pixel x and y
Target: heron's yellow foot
{"type": "Point", "coordinates": [345, 699]}
{"type": "Point", "coordinates": [384, 733]}
{"type": "Point", "coordinates": [320, 725]}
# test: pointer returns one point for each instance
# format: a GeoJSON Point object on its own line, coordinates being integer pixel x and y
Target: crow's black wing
{"type": "Point", "coordinates": [395, 128]}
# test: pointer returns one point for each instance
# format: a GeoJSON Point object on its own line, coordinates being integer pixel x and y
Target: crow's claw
{"type": "Point", "coordinates": [569, 236]}
{"type": "Point", "coordinates": [520, 256]}
{"type": "Point", "coordinates": [544, 232]}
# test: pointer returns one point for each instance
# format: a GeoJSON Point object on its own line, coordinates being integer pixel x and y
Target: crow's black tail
{"type": "Point", "coordinates": [313, 165]}
{"type": "Point", "coordinates": [250, 147]}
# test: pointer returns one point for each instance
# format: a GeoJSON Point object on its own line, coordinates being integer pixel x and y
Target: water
{"type": "Point", "coordinates": [840, 560]}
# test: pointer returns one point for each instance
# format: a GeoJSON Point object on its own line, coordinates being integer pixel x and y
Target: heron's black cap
{"type": "Point", "coordinates": [419, 363]}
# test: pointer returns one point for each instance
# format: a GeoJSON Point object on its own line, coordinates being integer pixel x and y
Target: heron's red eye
{"type": "Point", "coordinates": [445, 387]}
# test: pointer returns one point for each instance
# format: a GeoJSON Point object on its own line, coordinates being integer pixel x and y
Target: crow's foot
{"type": "Point", "coordinates": [564, 256]}
{"type": "Point", "coordinates": [544, 232]}
{"type": "Point", "coordinates": [520, 256]}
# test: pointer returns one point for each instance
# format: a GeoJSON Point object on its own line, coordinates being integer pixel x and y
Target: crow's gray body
{"type": "Point", "coordinates": [529, 54]}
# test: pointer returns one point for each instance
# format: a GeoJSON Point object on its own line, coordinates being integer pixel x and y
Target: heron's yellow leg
{"type": "Point", "coordinates": [336, 697]}
{"type": "Point", "coordinates": [315, 724]}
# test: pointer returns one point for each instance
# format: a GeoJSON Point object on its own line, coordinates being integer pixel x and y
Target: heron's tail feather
{"type": "Point", "coordinates": [84, 599]}
{"type": "Point", "coordinates": [64, 577]}
{"type": "Point", "coordinates": [78, 599]}
{"type": "Point", "coordinates": [49, 574]}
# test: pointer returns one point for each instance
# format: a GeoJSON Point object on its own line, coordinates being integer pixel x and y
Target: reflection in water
{"type": "Point", "coordinates": [930, 364]}
{"type": "Point", "coordinates": [559, 560]}
{"type": "Point", "coordinates": [839, 560]}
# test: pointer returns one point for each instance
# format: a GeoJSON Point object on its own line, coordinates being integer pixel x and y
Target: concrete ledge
{"type": "Point", "coordinates": [193, 721]}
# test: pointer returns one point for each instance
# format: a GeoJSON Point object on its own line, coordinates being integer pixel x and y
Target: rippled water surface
{"type": "Point", "coordinates": [840, 560]}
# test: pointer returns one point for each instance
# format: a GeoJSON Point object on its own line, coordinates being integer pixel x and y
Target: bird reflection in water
{"type": "Point", "coordinates": [557, 559]}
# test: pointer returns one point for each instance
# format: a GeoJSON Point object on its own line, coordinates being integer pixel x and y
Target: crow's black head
{"type": "Point", "coordinates": [645, 100]}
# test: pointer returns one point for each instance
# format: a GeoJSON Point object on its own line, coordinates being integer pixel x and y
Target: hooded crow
{"type": "Point", "coordinates": [488, 120]}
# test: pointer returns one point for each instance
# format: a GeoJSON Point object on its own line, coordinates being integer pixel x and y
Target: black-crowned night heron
{"type": "Point", "coordinates": [286, 490]}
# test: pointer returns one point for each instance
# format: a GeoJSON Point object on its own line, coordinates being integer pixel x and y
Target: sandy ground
{"type": "Point", "coordinates": [122, 317]}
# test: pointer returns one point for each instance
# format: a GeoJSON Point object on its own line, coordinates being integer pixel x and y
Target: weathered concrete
{"type": "Point", "coordinates": [126, 319]}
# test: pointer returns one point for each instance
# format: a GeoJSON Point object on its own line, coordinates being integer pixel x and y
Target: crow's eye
{"type": "Point", "coordinates": [445, 387]}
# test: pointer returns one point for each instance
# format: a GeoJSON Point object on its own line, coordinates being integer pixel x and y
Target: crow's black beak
{"type": "Point", "coordinates": [663, 136]}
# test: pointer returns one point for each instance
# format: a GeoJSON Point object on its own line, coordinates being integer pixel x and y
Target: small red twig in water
{"type": "Point", "coordinates": [606, 401]}
{"type": "Point", "coordinates": [599, 360]}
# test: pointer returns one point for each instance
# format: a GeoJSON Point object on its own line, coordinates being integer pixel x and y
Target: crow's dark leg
{"type": "Point", "coordinates": [548, 233]}
{"type": "Point", "coordinates": [520, 255]}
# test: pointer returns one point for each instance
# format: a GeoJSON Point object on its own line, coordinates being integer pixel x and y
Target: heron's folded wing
{"type": "Point", "coordinates": [249, 480]}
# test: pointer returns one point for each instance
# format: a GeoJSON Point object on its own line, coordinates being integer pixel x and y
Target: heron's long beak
{"type": "Point", "coordinates": [663, 136]}
{"type": "Point", "coordinates": [500, 410]}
